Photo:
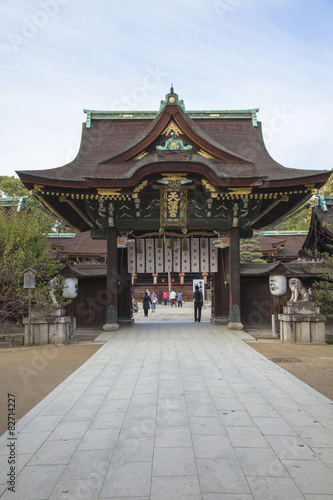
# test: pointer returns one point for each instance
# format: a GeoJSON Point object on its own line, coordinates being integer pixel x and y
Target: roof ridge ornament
{"type": "Point", "coordinates": [174, 143]}
{"type": "Point", "coordinates": [172, 98]}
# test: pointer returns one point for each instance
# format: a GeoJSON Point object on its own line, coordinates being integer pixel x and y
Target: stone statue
{"type": "Point", "coordinates": [298, 290]}
{"type": "Point", "coordinates": [301, 321]}
{"type": "Point", "coordinates": [53, 286]}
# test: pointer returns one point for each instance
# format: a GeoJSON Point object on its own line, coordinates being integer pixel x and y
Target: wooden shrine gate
{"type": "Point", "coordinates": [178, 174]}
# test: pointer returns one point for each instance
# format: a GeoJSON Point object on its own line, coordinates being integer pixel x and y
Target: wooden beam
{"type": "Point", "coordinates": [54, 211]}
{"type": "Point", "coordinates": [81, 214]}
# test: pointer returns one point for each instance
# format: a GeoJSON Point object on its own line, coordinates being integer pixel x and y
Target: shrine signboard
{"type": "Point", "coordinates": [173, 208]}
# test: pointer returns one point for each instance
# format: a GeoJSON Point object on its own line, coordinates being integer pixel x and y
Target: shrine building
{"type": "Point", "coordinates": [180, 188]}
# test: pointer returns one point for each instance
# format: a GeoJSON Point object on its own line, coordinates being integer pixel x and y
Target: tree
{"type": "Point", "coordinates": [322, 294]}
{"type": "Point", "coordinates": [322, 289]}
{"type": "Point", "coordinates": [327, 187]}
{"type": "Point", "coordinates": [250, 250]}
{"type": "Point", "coordinates": [23, 244]}
{"type": "Point", "coordinates": [299, 220]}
{"type": "Point", "coordinates": [11, 186]}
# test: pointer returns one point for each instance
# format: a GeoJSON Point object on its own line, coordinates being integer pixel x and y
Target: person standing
{"type": "Point", "coordinates": [135, 306]}
{"type": "Point", "coordinates": [198, 301]}
{"type": "Point", "coordinates": [172, 297]}
{"type": "Point", "coordinates": [179, 298]}
{"type": "Point", "coordinates": [146, 301]}
{"type": "Point", "coordinates": [165, 297]}
{"type": "Point", "coordinates": [160, 296]}
{"type": "Point", "coordinates": [153, 299]}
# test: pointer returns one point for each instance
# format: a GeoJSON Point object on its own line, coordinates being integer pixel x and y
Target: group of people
{"type": "Point", "coordinates": [149, 301]}
{"type": "Point", "coordinates": [175, 297]}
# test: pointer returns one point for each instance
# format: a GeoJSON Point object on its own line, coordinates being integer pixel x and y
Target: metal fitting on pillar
{"type": "Point", "coordinates": [235, 215]}
{"type": "Point", "coordinates": [209, 207]}
{"type": "Point", "coordinates": [137, 207]}
{"type": "Point", "coordinates": [110, 214]}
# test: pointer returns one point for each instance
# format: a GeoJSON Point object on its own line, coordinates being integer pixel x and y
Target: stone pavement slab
{"type": "Point", "coordinates": [174, 411]}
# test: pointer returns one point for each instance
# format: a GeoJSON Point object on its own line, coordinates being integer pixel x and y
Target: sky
{"type": "Point", "coordinates": [59, 57]}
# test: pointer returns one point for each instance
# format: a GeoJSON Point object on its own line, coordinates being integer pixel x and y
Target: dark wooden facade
{"type": "Point", "coordinates": [320, 235]}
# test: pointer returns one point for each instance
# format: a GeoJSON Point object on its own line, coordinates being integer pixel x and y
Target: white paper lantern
{"type": "Point", "coordinates": [277, 284]}
{"type": "Point", "coordinates": [70, 288]}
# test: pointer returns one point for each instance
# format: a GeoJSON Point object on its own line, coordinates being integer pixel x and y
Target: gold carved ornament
{"type": "Point", "coordinates": [141, 155]}
{"type": "Point", "coordinates": [172, 127]}
{"type": "Point", "coordinates": [173, 202]}
{"type": "Point", "coordinates": [204, 153]}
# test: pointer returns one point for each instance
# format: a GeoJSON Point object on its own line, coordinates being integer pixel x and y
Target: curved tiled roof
{"type": "Point", "coordinates": [109, 146]}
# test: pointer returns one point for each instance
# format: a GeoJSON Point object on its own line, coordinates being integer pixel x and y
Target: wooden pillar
{"type": "Point", "coordinates": [234, 295]}
{"type": "Point", "coordinates": [125, 316]}
{"type": "Point", "coordinates": [112, 278]}
{"type": "Point", "coordinates": [220, 299]}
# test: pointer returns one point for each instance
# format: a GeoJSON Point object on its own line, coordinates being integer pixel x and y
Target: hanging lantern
{"type": "Point", "coordinates": [134, 276]}
{"type": "Point", "coordinates": [277, 284]}
{"type": "Point", "coordinates": [181, 278]}
{"type": "Point", "coordinates": [70, 289]}
{"type": "Point", "coordinates": [204, 275]}
{"type": "Point", "coordinates": [155, 278]}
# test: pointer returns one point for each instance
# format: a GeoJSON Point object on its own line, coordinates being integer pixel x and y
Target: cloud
{"type": "Point", "coordinates": [219, 54]}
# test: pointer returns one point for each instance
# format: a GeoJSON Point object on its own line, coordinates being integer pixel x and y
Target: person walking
{"type": "Point", "coordinates": [198, 301]}
{"type": "Point", "coordinates": [165, 297]}
{"type": "Point", "coordinates": [179, 298]}
{"type": "Point", "coordinates": [160, 296]}
{"type": "Point", "coordinates": [146, 301]}
{"type": "Point", "coordinates": [172, 297]}
{"type": "Point", "coordinates": [153, 299]}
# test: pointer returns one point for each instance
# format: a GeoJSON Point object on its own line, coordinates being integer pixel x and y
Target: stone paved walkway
{"type": "Point", "coordinates": [175, 411]}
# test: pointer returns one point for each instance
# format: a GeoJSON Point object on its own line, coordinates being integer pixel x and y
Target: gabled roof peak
{"type": "Point", "coordinates": [171, 99]}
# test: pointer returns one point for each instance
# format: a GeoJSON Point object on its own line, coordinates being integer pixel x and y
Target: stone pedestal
{"type": "Point", "coordinates": [126, 322]}
{"type": "Point", "coordinates": [53, 329]}
{"type": "Point", "coordinates": [302, 323]}
{"type": "Point", "coordinates": [219, 320]}
{"type": "Point", "coordinates": [110, 327]}
{"type": "Point", "coordinates": [111, 324]}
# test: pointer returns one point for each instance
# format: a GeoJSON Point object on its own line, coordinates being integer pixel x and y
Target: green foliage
{"type": "Point", "coordinates": [328, 187]}
{"type": "Point", "coordinates": [322, 294]}
{"type": "Point", "coordinates": [322, 289]}
{"type": "Point", "coordinates": [23, 244]}
{"type": "Point", "coordinates": [300, 220]}
{"type": "Point", "coordinates": [250, 250]}
{"type": "Point", "coordinates": [11, 186]}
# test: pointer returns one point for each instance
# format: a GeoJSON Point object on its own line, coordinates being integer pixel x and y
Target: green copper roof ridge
{"type": "Point", "coordinates": [61, 235]}
{"type": "Point", "coordinates": [205, 111]}
{"type": "Point", "coordinates": [126, 112]}
{"type": "Point", "coordinates": [283, 233]}
{"type": "Point", "coordinates": [248, 110]}
{"type": "Point", "coordinates": [93, 114]}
